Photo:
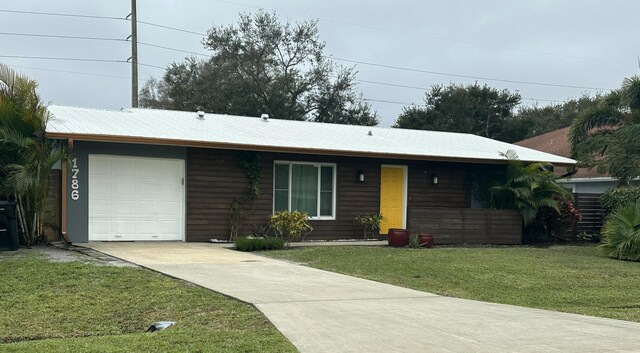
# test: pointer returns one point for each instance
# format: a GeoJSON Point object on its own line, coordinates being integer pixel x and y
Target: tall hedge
{"type": "Point", "coordinates": [617, 197]}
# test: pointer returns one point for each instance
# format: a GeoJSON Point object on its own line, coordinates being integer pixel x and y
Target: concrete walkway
{"type": "Point", "coordinates": [321, 311]}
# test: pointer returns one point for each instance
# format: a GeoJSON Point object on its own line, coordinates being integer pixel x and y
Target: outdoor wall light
{"type": "Point", "coordinates": [435, 179]}
{"type": "Point", "coordinates": [360, 176]}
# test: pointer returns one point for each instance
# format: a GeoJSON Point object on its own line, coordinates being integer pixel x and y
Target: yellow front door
{"type": "Point", "coordinates": [391, 198]}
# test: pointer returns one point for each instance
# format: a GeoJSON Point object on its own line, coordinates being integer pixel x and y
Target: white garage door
{"type": "Point", "coordinates": [132, 198]}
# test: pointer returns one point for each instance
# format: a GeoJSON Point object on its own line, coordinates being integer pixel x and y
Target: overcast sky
{"type": "Point", "coordinates": [591, 44]}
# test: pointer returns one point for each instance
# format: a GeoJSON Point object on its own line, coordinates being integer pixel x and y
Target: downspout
{"type": "Point", "coordinates": [63, 206]}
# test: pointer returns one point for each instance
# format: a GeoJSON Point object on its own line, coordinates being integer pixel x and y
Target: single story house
{"type": "Point", "coordinates": [143, 174]}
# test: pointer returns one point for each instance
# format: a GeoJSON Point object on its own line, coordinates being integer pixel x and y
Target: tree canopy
{"type": "Point", "coordinates": [606, 135]}
{"type": "Point", "coordinates": [474, 109]}
{"type": "Point", "coordinates": [262, 66]}
{"type": "Point", "coordinates": [489, 112]}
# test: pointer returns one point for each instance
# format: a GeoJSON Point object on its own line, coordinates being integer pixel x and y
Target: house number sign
{"type": "Point", "coordinates": [75, 194]}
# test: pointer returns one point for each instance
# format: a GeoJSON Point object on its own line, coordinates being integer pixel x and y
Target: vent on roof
{"type": "Point", "coordinates": [264, 117]}
{"type": "Point", "coordinates": [370, 133]}
{"type": "Point", "coordinates": [200, 114]}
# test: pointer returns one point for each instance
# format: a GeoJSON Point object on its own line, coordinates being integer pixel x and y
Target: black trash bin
{"type": "Point", "coordinates": [8, 226]}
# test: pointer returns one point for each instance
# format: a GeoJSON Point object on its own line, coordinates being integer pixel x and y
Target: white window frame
{"type": "Point", "coordinates": [315, 164]}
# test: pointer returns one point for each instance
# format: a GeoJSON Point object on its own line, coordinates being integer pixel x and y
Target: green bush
{"type": "Point", "coordinates": [258, 244]}
{"type": "Point", "coordinates": [616, 197]}
{"type": "Point", "coordinates": [290, 226]}
{"type": "Point", "coordinates": [551, 224]}
{"type": "Point", "coordinates": [621, 233]}
{"type": "Point", "coordinates": [370, 223]}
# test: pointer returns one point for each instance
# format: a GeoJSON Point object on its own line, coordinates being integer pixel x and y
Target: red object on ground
{"type": "Point", "coordinates": [398, 237]}
{"type": "Point", "coordinates": [426, 240]}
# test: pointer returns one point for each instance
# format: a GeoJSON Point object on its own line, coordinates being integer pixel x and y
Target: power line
{"type": "Point", "coordinates": [171, 28]}
{"type": "Point", "coordinates": [173, 49]}
{"type": "Point", "coordinates": [62, 14]}
{"type": "Point", "coordinates": [154, 66]}
{"type": "Point", "coordinates": [381, 29]}
{"type": "Point", "coordinates": [61, 36]}
{"type": "Point", "coordinates": [428, 88]}
{"type": "Point", "coordinates": [465, 76]}
{"type": "Point", "coordinates": [388, 102]}
{"type": "Point", "coordinates": [60, 58]}
{"type": "Point", "coordinates": [72, 72]}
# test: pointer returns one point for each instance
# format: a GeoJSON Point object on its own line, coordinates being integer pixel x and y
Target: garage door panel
{"type": "Point", "coordinates": [148, 190]}
{"type": "Point", "coordinates": [100, 187]}
{"type": "Point", "coordinates": [147, 227]}
{"type": "Point", "coordinates": [168, 209]}
{"type": "Point", "coordinates": [100, 166]}
{"type": "Point", "coordinates": [147, 208]}
{"type": "Point", "coordinates": [124, 167]}
{"type": "Point", "coordinates": [100, 228]}
{"type": "Point", "coordinates": [124, 227]}
{"type": "Point", "coordinates": [133, 198]}
{"type": "Point", "coordinates": [100, 208]}
{"type": "Point", "coordinates": [124, 188]}
{"type": "Point", "coordinates": [124, 208]}
{"type": "Point", "coordinates": [168, 229]}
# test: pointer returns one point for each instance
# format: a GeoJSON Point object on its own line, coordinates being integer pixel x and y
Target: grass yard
{"type": "Point", "coordinates": [77, 307]}
{"type": "Point", "coordinates": [575, 279]}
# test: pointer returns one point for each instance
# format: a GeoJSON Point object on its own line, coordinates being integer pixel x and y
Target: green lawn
{"type": "Point", "coordinates": [574, 279]}
{"type": "Point", "coordinates": [76, 307]}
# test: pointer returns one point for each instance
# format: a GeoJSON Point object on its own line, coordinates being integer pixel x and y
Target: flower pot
{"type": "Point", "coordinates": [426, 240]}
{"type": "Point", "coordinates": [398, 237]}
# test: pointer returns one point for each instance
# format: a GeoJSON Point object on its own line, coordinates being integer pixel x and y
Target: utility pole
{"type": "Point", "coordinates": [134, 55]}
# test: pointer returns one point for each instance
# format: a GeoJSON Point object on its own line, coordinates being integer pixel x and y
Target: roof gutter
{"type": "Point", "coordinates": [237, 146]}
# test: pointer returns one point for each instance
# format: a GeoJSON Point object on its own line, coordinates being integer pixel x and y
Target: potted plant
{"type": "Point", "coordinates": [370, 223]}
{"type": "Point", "coordinates": [426, 240]}
{"type": "Point", "coordinates": [398, 238]}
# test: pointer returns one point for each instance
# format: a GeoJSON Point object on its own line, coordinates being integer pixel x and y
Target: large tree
{"type": "Point", "coordinates": [262, 66]}
{"type": "Point", "coordinates": [606, 136]}
{"type": "Point", "coordinates": [531, 121]}
{"type": "Point", "coordinates": [474, 109]}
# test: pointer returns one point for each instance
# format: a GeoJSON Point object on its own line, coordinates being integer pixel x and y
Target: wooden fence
{"type": "Point", "coordinates": [591, 210]}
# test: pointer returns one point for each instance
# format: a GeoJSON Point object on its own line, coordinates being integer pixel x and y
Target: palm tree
{"type": "Point", "coordinates": [527, 188]}
{"type": "Point", "coordinates": [606, 136]}
{"type": "Point", "coordinates": [27, 155]}
{"type": "Point", "coordinates": [621, 233]}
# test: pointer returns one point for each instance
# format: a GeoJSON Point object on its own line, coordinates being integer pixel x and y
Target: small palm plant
{"type": "Point", "coordinates": [527, 188]}
{"type": "Point", "coordinates": [370, 223]}
{"type": "Point", "coordinates": [621, 233]}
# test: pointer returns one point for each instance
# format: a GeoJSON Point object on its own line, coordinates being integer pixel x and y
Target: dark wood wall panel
{"type": "Point", "coordinates": [52, 219]}
{"type": "Point", "coordinates": [467, 226]}
{"type": "Point", "coordinates": [214, 179]}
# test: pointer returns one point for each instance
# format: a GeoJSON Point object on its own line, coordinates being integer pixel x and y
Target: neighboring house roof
{"type": "Point", "coordinates": [179, 128]}
{"type": "Point", "coordinates": [557, 142]}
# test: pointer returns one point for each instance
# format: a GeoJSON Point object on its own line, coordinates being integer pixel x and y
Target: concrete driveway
{"type": "Point", "coordinates": [320, 311]}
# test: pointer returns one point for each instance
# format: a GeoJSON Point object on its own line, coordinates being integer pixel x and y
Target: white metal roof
{"type": "Point", "coordinates": [217, 130]}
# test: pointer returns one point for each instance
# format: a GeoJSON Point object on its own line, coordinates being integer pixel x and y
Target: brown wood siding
{"type": "Point", "coordinates": [214, 178]}
{"type": "Point", "coordinates": [467, 226]}
{"type": "Point", "coordinates": [591, 210]}
{"type": "Point", "coordinates": [52, 209]}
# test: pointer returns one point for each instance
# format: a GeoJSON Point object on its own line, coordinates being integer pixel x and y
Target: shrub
{"type": "Point", "coordinates": [290, 226]}
{"type": "Point", "coordinates": [616, 197]}
{"type": "Point", "coordinates": [258, 244]}
{"type": "Point", "coordinates": [551, 223]}
{"type": "Point", "coordinates": [621, 233]}
{"type": "Point", "coordinates": [370, 223]}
